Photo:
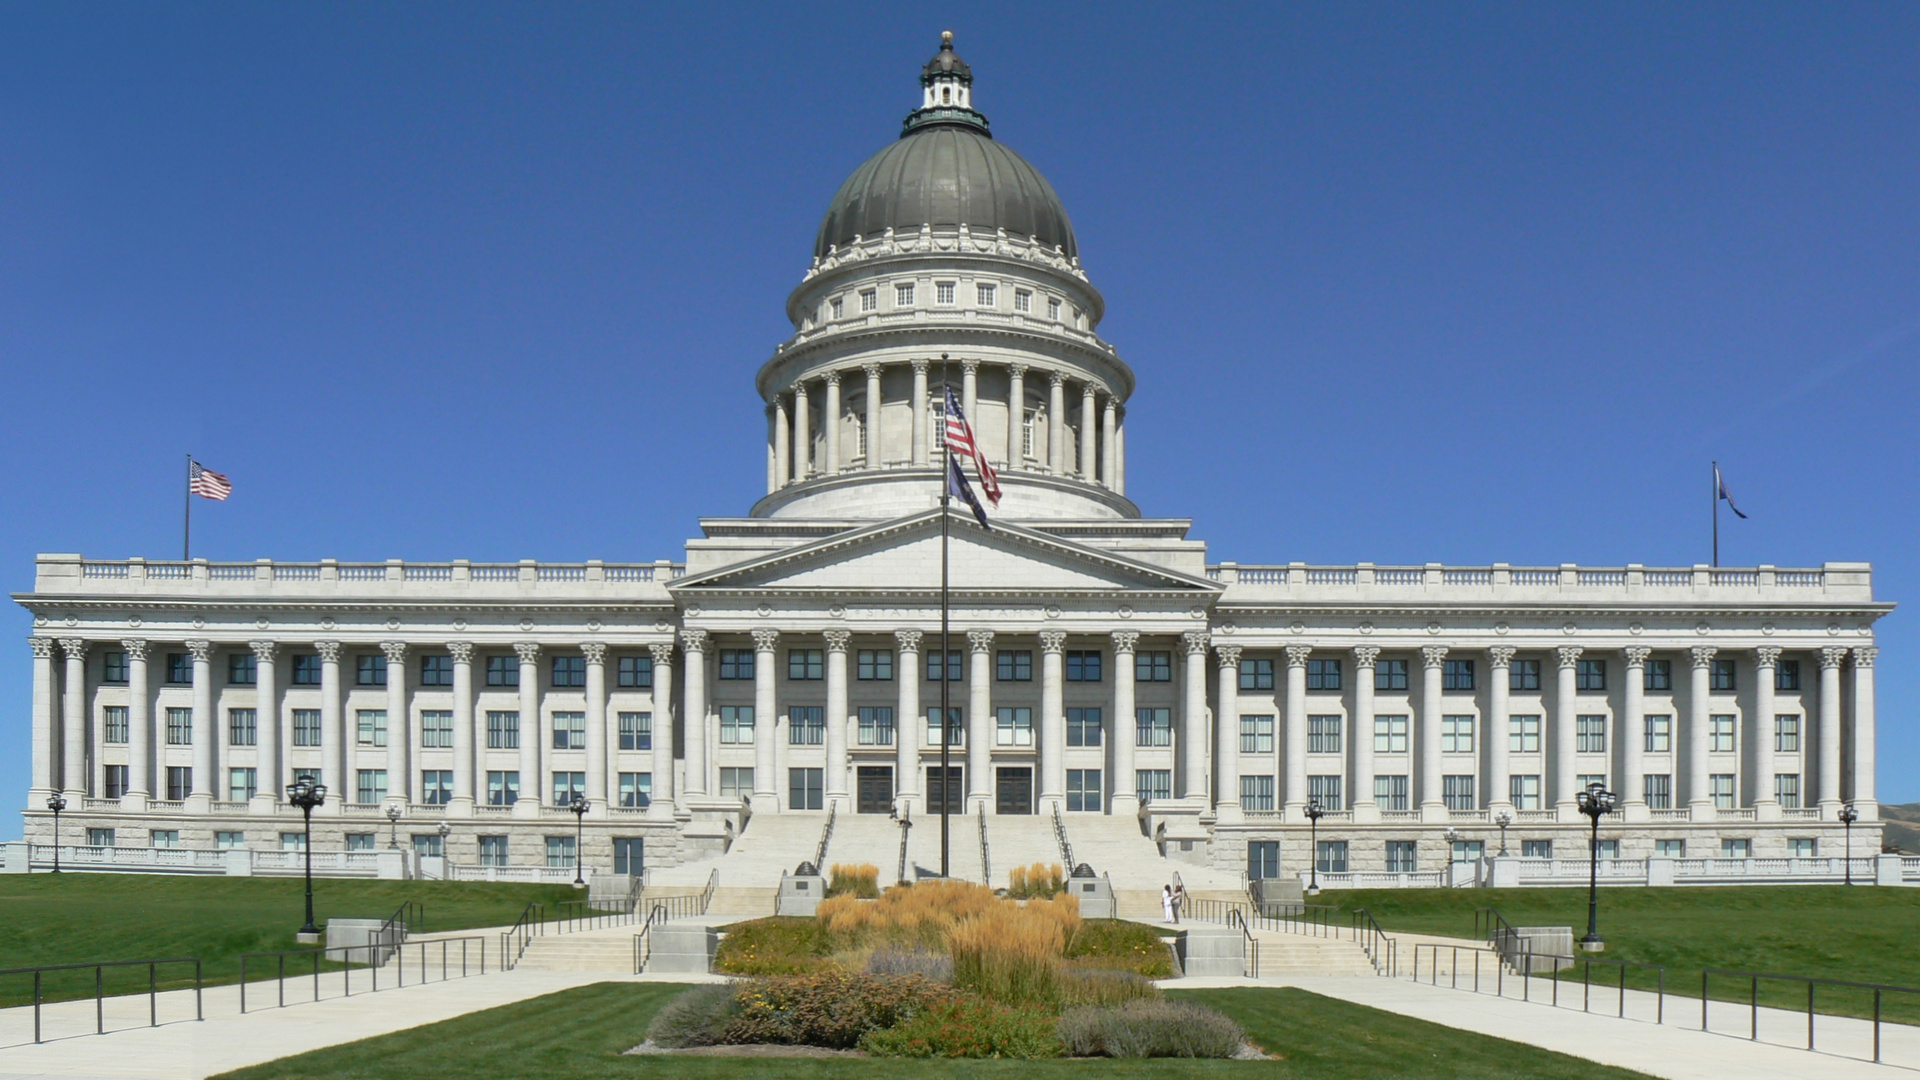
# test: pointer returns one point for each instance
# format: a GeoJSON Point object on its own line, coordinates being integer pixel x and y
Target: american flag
{"type": "Point", "coordinates": [961, 442]}
{"type": "Point", "coordinates": [209, 484]}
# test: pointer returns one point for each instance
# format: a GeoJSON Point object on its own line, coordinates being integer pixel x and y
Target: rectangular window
{"type": "Point", "coordinates": [1256, 674]}
{"type": "Point", "coordinates": [985, 294]}
{"type": "Point", "coordinates": [736, 725]}
{"type": "Point", "coordinates": [370, 669]}
{"type": "Point", "coordinates": [1523, 791]}
{"type": "Point", "coordinates": [869, 300]}
{"type": "Point", "coordinates": [1153, 665]}
{"type": "Point", "coordinates": [1256, 734]}
{"type": "Point", "coordinates": [1590, 735]}
{"type": "Point", "coordinates": [804, 789]}
{"type": "Point", "coordinates": [1457, 792]}
{"type": "Point", "coordinates": [493, 850]}
{"type": "Point", "coordinates": [243, 727]}
{"type": "Point", "coordinates": [1720, 785]}
{"type": "Point", "coordinates": [1659, 676]}
{"type": "Point", "coordinates": [1151, 784]}
{"type": "Point", "coordinates": [370, 785]}
{"type": "Point", "coordinates": [428, 845]}
{"type": "Point", "coordinates": [903, 294]}
{"type": "Point", "coordinates": [806, 665]}
{"type": "Point", "coordinates": [1802, 847]}
{"type": "Point", "coordinates": [956, 665]}
{"type": "Point", "coordinates": [1263, 859]}
{"type": "Point", "coordinates": [1670, 849]}
{"type": "Point", "coordinates": [436, 670]}
{"type": "Point", "coordinates": [436, 729]}
{"type": "Point", "coordinates": [1659, 790]}
{"type": "Point", "coordinates": [635, 672]}
{"type": "Point", "coordinates": [1786, 790]}
{"type": "Point", "coordinates": [293, 841]}
{"type": "Point", "coordinates": [569, 671]}
{"type": "Point", "coordinates": [1457, 675]}
{"type": "Point", "coordinates": [561, 853]}
{"type": "Point", "coordinates": [1607, 849]}
{"type": "Point", "coordinates": [1083, 727]}
{"type": "Point", "coordinates": [1583, 781]}
{"type": "Point", "coordinates": [370, 726]}
{"type": "Point", "coordinates": [1720, 734]}
{"type": "Point", "coordinates": [1325, 790]}
{"type": "Point", "coordinates": [1659, 733]}
{"type": "Point", "coordinates": [874, 665]}
{"type": "Point", "coordinates": [1256, 794]}
{"type": "Point", "coordinates": [943, 292]}
{"type": "Point", "coordinates": [1731, 848]}
{"type": "Point", "coordinates": [1390, 675]}
{"type": "Point", "coordinates": [837, 306]}
{"type": "Point", "coordinates": [113, 724]}
{"type": "Point", "coordinates": [116, 781]}
{"type": "Point", "coordinates": [179, 669]}
{"type": "Point", "coordinates": [1083, 665]}
{"type": "Point", "coordinates": [241, 669]}
{"type": "Point", "coordinates": [1390, 792]}
{"type": "Point", "coordinates": [736, 664]}
{"type": "Point", "coordinates": [1723, 677]}
{"type": "Point", "coordinates": [1389, 734]}
{"type": "Point", "coordinates": [1022, 300]}
{"type": "Point", "coordinates": [1456, 734]}
{"type": "Point", "coordinates": [636, 790]}
{"type": "Point", "coordinates": [1053, 308]}
{"type": "Point", "coordinates": [1402, 857]}
{"type": "Point", "coordinates": [568, 784]}
{"type": "Point", "coordinates": [1323, 675]}
{"type": "Point", "coordinates": [503, 730]}
{"type": "Point", "coordinates": [503, 671]}
{"type": "Point", "coordinates": [242, 784]}
{"type": "Point", "coordinates": [1084, 791]}
{"type": "Point", "coordinates": [306, 669]}
{"type": "Point", "coordinates": [1524, 676]}
{"type": "Point", "coordinates": [1786, 733]}
{"type": "Point", "coordinates": [636, 731]}
{"type": "Point", "coordinates": [806, 725]}
{"type": "Point", "coordinates": [1523, 734]}
{"type": "Point", "coordinates": [875, 725]}
{"type": "Point", "coordinates": [1330, 856]}
{"type": "Point", "coordinates": [1786, 675]}
{"type": "Point", "coordinates": [306, 727]}
{"type": "Point", "coordinates": [436, 786]}
{"type": "Point", "coordinates": [164, 838]}
{"type": "Point", "coordinates": [1153, 727]}
{"type": "Point", "coordinates": [225, 840]}
{"type": "Point", "coordinates": [1323, 734]}
{"type": "Point", "coordinates": [956, 727]}
{"type": "Point", "coordinates": [1590, 676]}
{"type": "Point", "coordinates": [1013, 665]}
{"type": "Point", "coordinates": [1536, 849]}
{"type": "Point", "coordinates": [736, 782]}
{"type": "Point", "coordinates": [569, 731]}
{"type": "Point", "coordinates": [1013, 726]}
{"type": "Point", "coordinates": [179, 727]}
{"type": "Point", "coordinates": [113, 667]}
{"type": "Point", "coordinates": [503, 787]}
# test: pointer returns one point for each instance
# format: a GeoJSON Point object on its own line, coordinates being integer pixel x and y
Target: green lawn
{"type": "Point", "coordinates": [74, 918]}
{"type": "Point", "coordinates": [579, 1035]}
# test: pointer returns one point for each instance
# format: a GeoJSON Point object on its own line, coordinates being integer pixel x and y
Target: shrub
{"type": "Point", "coordinates": [1120, 946]}
{"type": "Point", "coordinates": [832, 1009]}
{"type": "Point", "coordinates": [854, 879]}
{"type": "Point", "coordinates": [968, 1028]}
{"type": "Point", "coordinates": [919, 915]}
{"type": "Point", "coordinates": [911, 960]}
{"type": "Point", "coordinates": [1038, 881]}
{"type": "Point", "coordinates": [1010, 954]}
{"type": "Point", "coordinates": [1063, 909]}
{"type": "Point", "coordinates": [695, 1018]}
{"type": "Point", "coordinates": [781, 945]}
{"type": "Point", "coordinates": [1149, 1028]}
{"type": "Point", "coordinates": [1085, 986]}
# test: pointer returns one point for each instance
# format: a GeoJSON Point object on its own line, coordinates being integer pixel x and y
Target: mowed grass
{"type": "Point", "coordinates": [580, 1034]}
{"type": "Point", "coordinates": [1858, 934]}
{"type": "Point", "coordinates": [84, 918]}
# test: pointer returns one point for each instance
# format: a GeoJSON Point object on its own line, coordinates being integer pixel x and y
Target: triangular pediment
{"type": "Point", "coordinates": [904, 555]}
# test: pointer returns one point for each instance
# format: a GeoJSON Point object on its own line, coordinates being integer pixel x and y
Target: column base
{"type": "Point", "coordinates": [526, 809]}
{"type": "Point", "coordinates": [1124, 806]}
{"type": "Point", "coordinates": [659, 810]}
{"type": "Point", "coordinates": [1830, 809]}
{"type": "Point", "coordinates": [1635, 812]}
{"type": "Point", "coordinates": [460, 806]}
{"type": "Point", "coordinates": [1435, 812]}
{"type": "Point", "coordinates": [1567, 813]}
{"type": "Point", "coordinates": [1702, 810]}
{"type": "Point", "coordinates": [764, 802]}
{"type": "Point", "coordinates": [263, 806]}
{"type": "Point", "coordinates": [1766, 810]}
{"type": "Point", "coordinates": [133, 802]}
{"type": "Point", "coordinates": [1869, 809]}
{"type": "Point", "coordinates": [1228, 813]}
{"type": "Point", "coordinates": [1364, 813]}
{"type": "Point", "coordinates": [199, 803]}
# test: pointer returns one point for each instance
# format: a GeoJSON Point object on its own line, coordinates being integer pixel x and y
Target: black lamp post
{"type": "Point", "coordinates": [306, 795]}
{"type": "Point", "coordinates": [1503, 819]}
{"type": "Point", "coordinates": [57, 802]}
{"type": "Point", "coordinates": [393, 827]}
{"type": "Point", "coordinates": [445, 830]}
{"type": "Point", "coordinates": [1314, 814]}
{"type": "Point", "coordinates": [1848, 815]}
{"type": "Point", "coordinates": [1595, 802]}
{"type": "Point", "coordinates": [579, 808]}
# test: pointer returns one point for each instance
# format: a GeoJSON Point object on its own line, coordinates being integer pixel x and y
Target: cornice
{"type": "Point", "coordinates": [1872, 610]}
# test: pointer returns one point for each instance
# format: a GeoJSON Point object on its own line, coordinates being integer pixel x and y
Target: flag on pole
{"type": "Point", "coordinates": [961, 443]}
{"type": "Point", "coordinates": [1721, 492]}
{"type": "Point", "coordinates": [958, 487]}
{"type": "Point", "coordinates": [208, 484]}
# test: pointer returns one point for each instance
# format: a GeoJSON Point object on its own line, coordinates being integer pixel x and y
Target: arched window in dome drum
{"type": "Point", "coordinates": [856, 429]}
{"type": "Point", "coordinates": [1031, 430]}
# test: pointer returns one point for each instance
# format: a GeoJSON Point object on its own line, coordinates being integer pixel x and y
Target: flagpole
{"type": "Point", "coordinates": [1716, 514]}
{"type": "Point", "coordinates": [186, 540]}
{"type": "Point", "coordinates": [946, 628]}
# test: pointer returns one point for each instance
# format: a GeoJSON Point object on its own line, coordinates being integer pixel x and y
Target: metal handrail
{"type": "Point", "coordinates": [643, 941]}
{"type": "Point", "coordinates": [399, 925]}
{"type": "Point", "coordinates": [1379, 946]}
{"type": "Point", "coordinates": [99, 988]}
{"type": "Point", "coordinates": [577, 915]}
{"type": "Point", "coordinates": [1753, 999]}
{"type": "Point", "coordinates": [1060, 837]}
{"type": "Point", "coordinates": [530, 924]}
{"type": "Point", "coordinates": [1251, 956]}
{"type": "Point", "coordinates": [372, 964]}
{"type": "Point", "coordinates": [826, 836]}
{"type": "Point", "coordinates": [1522, 961]}
{"type": "Point", "coordinates": [986, 864]}
{"type": "Point", "coordinates": [906, 828]}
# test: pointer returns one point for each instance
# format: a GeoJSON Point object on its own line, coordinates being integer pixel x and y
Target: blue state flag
{"type": "Point", "coordinates": [958, 487]}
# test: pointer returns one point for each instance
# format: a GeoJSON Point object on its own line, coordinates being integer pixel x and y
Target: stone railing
{"type": "Point", "coordinates": [1833, 581]}
{"type": "Point", "coordinates": [73, 573]}
{"type": "Point", "coordinates": [24, 857]}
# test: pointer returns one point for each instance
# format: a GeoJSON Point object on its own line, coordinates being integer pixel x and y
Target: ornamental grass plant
{"type": "Point", "coordinates": [860, 880]}
{"type": "Point", "coordinates": [912, 915]}
{"type": "Point", "coordinates": [1038, 881]}
{"type": "Point", "coordinates": [1010, 954]}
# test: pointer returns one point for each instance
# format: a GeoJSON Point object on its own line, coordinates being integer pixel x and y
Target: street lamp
{"type": "Point", "coordinates": [1848, 815]}
{"type": "Point", "coordinates": [445, 830]}
{"type": "Point", "coordinates": [306, 795]}
{"type": "Point", "coordinates": [1503, 819]}
{"type": "Point", "coordinates": [1594, 802]}
{"type": "Point", "coordinates": [393, 827]}
{"type": "Point", "coordinates": [1314, 814]}
{"type": "Point", "coordinates": [579, 809]}
{"type": "Point", "coordinates": [57, 802]}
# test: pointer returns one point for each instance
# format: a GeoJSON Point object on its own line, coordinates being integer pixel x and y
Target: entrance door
{"type": "Point", "coordinates": [876, 789]}
{"type": "Point", "coordinates": [629, 855]}
{"type": "Point", "coordinates": [1013, 790]}
{"type": "Point", "coordinates": [954, 791]}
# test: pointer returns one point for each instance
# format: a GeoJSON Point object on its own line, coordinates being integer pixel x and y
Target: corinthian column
{"type": "Point", "coordinates": [1125, 791]}
{"type": "Point", "coordinates": [73, 721]}
{"type": "Point", "coordinates": [773, 450]}
{"type": "Point", "coordinates": [836, 779]}
{"type": "Point", "coordinates": [907, 722]}
{"type": "Point", "coordinates": [1863, 732]}
{"type": "Point", "coordinates": [46, 736]}
{"type": "Point", "coordinates": [1057, 423]}
{"type": "Point", "coordinates": [1499, 686]}
{"type": "Point", "coordinates": [1053, 719]}
{"type": "Point", "coordinates": [1361, 737]}
{"type": "Point", "coordinates": [802, 435]}
{"type": "Point", "coordinates": [1226, 737]}
{"type": "Point", "coordinates": [533, 786]}
{"type": "Point", "coordinates": [921, 453]}
{"type": "Point", "coordinates": [204, 737]}
{"type": "Point", "coordinates": [1433, 661]}
{"type": "Point", "coordinates": [266, 725]}
{"type": "Point", "coordinates": [693, 696]}
{"type": "Point", "coordinates": [979, 718]}
{"type": "Point", "coordinates": [1193, 731]}
{"type": "Point", "coordinates": [830, 420]}
{"type": "Point", "coordinates": [333, 726]}
{"type": "Point", "coordinates": [466, 782]}
{"type": "Point", "coordinates": [875, 458]}
{"type": "Point", "coordinates": [1109, 422]}
{"type": "Point", "coordinates": [1295, 797]}
{"type": "Point", "coordinates": [1630, 734]}
{"type": "Point", "coordinates": [1760, 732]}
{"type": "Point", "coordinates": [1565, 711]}
{"type": "Point", "coordinates": [1700, 707]}
{"type": "Point", "coordinates": [597, 786]}
{"type": "Point", "coordinates": [970, 393]}
{"type": "Point", "coordinates": [1089, 427]}
{"type": "Point", "coordinates": [660, 803]}
{"type": "Point", "coordinates": [782, 443]}
{"type": "Point", "coordinates": [399, 726]}
{"type": "Point", "coordinates": [766, 786]}
{"type": "Point", "coordinates": [1016, 415]}
{"type": "Point", "coordinates": [1830, 660]}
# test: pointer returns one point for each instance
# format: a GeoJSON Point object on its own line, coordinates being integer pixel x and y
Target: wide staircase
{"type": "Point", "coordinates": [1115, 846]}
{"type": "Point", "coordinates": [608, 950]}
{"type": "Point", "coordinates": [1283, 954]}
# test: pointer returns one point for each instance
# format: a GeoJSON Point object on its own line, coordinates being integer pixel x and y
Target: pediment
{"type": "Point", "coordinates": [904, 555]}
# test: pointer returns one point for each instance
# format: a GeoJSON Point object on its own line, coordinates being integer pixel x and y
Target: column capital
{"type": "Point", "coordinates": [43, 647]}
{"type": "Point", "coordinates": [969, 367]}
{"type": "Point", "coordinates": [662, 653]}
{"type": "Point", "coordinates": [872, 370]}
{"type": "Point", "coordinates": [396, 652]}
{"type": "Point", "coordinates": [693, 641]}
{"type": "Point", "coordinates": [1637, 656]}
{"type": "Point", "coordinates": [264, 650]}
{"type": "Point", "coordinates": [1125, 641]}
{"type": "Point", "coordinates": [1569, 656]}
{"type": "Point", "coordinates": [1767, 655]}
{"type": "Point", "coordinates": [1196, 642]}
{"type": "Point", "coordinates": [837, 640]}
{"type": "Point", "coordinates": [909, 640]}
{"type": "Point", "coordinates": [1018, 371]}
{"type": "Point", "coordinates": [461, 651]}
{"type": "Point", "coordinates": [1053, 641]}
{"type": "Point", "coordinates": [528, 651]}
{"type": "Point", "coordinates": [979, 641]}
{"type": "Point", "coordinates": [74, 648]}
{"type": "Point", "coordinates": [1057, 378]}
{"type": "Point", "coordinates": [1432, 656]}
{"type": "Point", "coordinates": [1500, 656]}
{"type": "Point", "coordinates": [766, 640]}
{"type": "Point", "coordinates": [1297, 655]}
{"type": "Point", "coordinates": [202, 651]}
{"type": "Point", "coordinates": [919, 366]}
{"type": "Point", "coordinates": [1703, 656]}
{"type": "Point", "coordinates": [1365, 655]}
{"type": "Point", "coordinates": [830, 380]}
{"type": "Point", "coordinates": [329, 651]}
{"type": "Point", "coordinates": [1229, 655]}
{"type": "Point", "coordinates": [1831, 656]}
{"type": "Point", "coordinates": [595, 651]}
{"type": "Point", "coordinates": [1863, 655]}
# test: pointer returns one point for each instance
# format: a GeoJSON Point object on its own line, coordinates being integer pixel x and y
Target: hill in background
{"type": "Point", "coordinates": [1903, 826]}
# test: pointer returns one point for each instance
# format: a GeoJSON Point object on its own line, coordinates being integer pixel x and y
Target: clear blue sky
{"type": "Point", "coordinates": [1401, 283]}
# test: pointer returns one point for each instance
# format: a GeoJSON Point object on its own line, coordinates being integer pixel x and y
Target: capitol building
{"type": "Point", "coordinates": [1111, 679]}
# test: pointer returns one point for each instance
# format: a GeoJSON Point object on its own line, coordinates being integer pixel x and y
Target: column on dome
{"type": "Point", "coordinates": [333, 727]}
{"type": "Point", "coordinates": [1089, 430]}
{"type": "Point", "coordinates": [1226, 735]}
{"type": "Point", "coordinates": [1360, 738]}
{"type": "Point", "coordinates": [597, 756]}
{"type": "Point", "coordinates": [693, 724]}
{"type": "Point", "coordinates": [204, 737]}
{"type": "Point", "coordinates": [46, 734]}
{"type": "Point", "coordinates": [1016, 415]}
{"type": "Point", "coordinates": [979, 719]}
{"type": "Point", "coordinates": [661, 804]}
{"type": "Point", "coordinates": [1057, 423]}
{"type": "Point", "coordinates": [1699, 708]}
{"type": "Point", "coordinates": [922, 453]}
{"type": "Point", "coordinates": [266, 725]}
{"type": "Point", "coordinates": [1125, 797]}
{"type": "Point", "coordinates": [1053, 721]}
{"type": "Point", "coordinates": [399, 725]}
{"type": "Point", "coordinates": [1108, 424]}
{"type": "Point", "coordinates": [1831, 658]}
{"type": "Point", "coordinates": [766, 786]}
{"type": "Point", "coordinates": [829, 419]}
{"type": "Point", "coordinates": [876, 444]}
{"type": "Point", "coordinates": [73, 720]}
{"type": "Point", "coordinates": [1759, 741]}
{"type": "Point", "coordinates": [773, 451]}
{"type": "Point", "coordinates": [1498, 788]}
{"type": "Point", "coordinates": [1863, 730]}
{"type": "Point", "coordinates": [1295, 796]}
{"type": "Point", "coordinates": [1193, 729]}
{"type": "Point", "coordinates": [802, 433]}
{"type": "Point", "coordinates": [1565, 725]}
{"type": "Point", "coordinates": [907, 723]}
{"type": "Point", "coordinates": [1120, 454]}
{"type": "Point", "coordinates": [533, 732]}
{"type": "Point", "coordinates": [466, 782]}
{"type": "Point", "coordinates": [1433, 660]}
{"type": "Point", "coordinates": [837, 716]}
{"type": "Point", "coordinates": [970, 393]}
{"type": "Point", "coordinates": [782, 443]}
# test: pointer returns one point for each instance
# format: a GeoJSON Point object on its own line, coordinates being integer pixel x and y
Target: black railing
{"type": "Point", "coordinates": [1492, 964]}
{"type": "Point", "coordinates": [531, 924]}
{"type": "Point", "coordinates": [986, 863]}
{"type": "Point", "coordinates": [688, 905]}
{"type": "Point", "coordinates": [409, 918]}
{"type": "Point", "coordinates": [1060, 837]}
{"type": "Point", "coordinates": [1379, 946]}
{"type": "Point", "coordinates": [906, 827]}
{"type": "Point", "coordinates": [826, 838]}
{"type": "Point", "coordinates": [577, 915]}
{"type": "Point", "coordinates": [1248, 944]}
{"type": "Point", "coordinates": [1754, 979]}
{"type": "Point", "coordinates": [439, 955]}
{"type": "Point", "coordinates": [643, 941]}
{"type": "Point", "coordinates": [99, 988]}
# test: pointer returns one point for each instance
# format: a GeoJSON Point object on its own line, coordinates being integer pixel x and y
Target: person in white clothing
{"type": "Point", "coordinates": [1166, 904]}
